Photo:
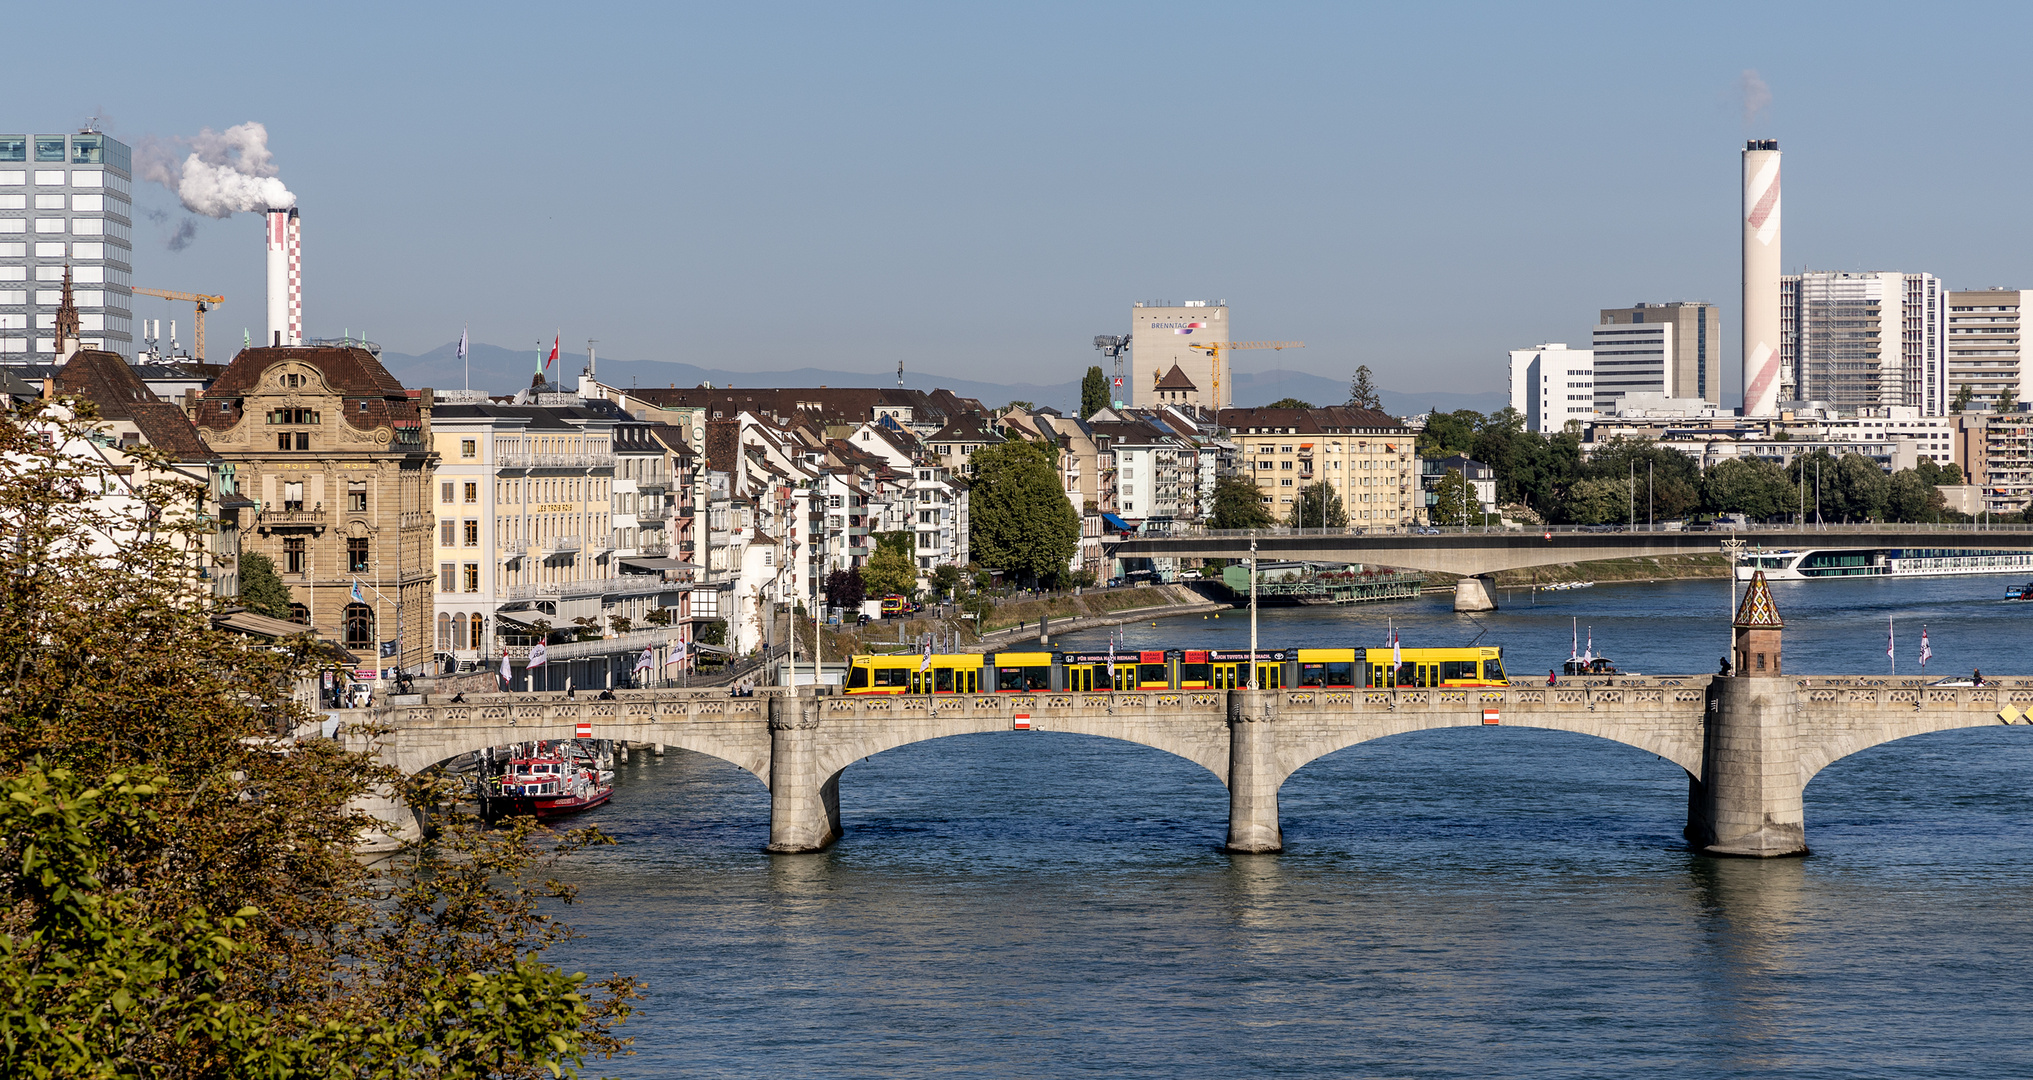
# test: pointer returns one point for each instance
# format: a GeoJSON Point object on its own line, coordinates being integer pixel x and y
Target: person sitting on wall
{"type": "Point", "coordinates": [1724, 670]}
{"type": "Point", "coordinates": [1551, 678]}
{"type": "Point", "coordinates": [605, 695]}
{"type": "Point", "coordinates": [1977, 676]}
{"type": "Point", "coordinates": [459, 698]}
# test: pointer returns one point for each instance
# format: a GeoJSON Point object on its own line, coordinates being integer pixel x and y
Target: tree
{"type": "Point", "coordinates": [1289, 403]}
{"type": "Point", "coordinates": [1020, 518]}
{"type": "Point", "coordinates": [261, 589]}
{"type": "Point", "coordinates": [1308, 508]}
{"type": "Point", "coordinates": [891, 571]}
{"type": "Point", "coordinates": [182, 898]}
{"type": "Point", "coordinates": [1962, 398]}
{"type": "Point", "coordinates": [1912, 496]}
{"type": "Point", "coordinates": [1862, 490]}
{"type": "Point", "coordinates": [1238, 505]}
{"type": "Point", "coordinates": [1362, 392]}
{"type": "Point", "coordinates": [1447, 434]}
{"type": "Point", "coordinates": [1453, 500]}
{"type": "Point", "coordinates": [1753, 487]}
{"type": "Point", "coordinates": [946, 578]}
{"type": "Point", "coordinates": [712, 632]}
{"type": "Point", "coordinates": [1093, 392]}
{"type": "Point", "coordinates": [1599, 501]}
{"type": "Point", "coordinates": [2008, 399]}
{"type": "Point", "coordinates": [845, 589]}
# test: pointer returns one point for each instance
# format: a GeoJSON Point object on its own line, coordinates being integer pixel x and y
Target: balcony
{"type": "Point", "coordinates": [556, 461]}
{"type": "Point", "coordinates": [291, 519]}
{"type": "Point", "coordinates": [558, 545]}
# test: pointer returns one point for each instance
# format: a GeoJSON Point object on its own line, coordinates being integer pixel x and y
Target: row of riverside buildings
{"type": "Point", "coordinates": [426, 531]}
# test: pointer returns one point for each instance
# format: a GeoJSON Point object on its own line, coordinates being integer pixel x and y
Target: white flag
{"type": "Point", "coordinates": [646, 661]}
{"type": "Point", "coordinates": [462, 343]}
{"type": "Point", "coordinates": [677, 655]}
{"type": "Point", "coordinates": [1891, 638]}
{"type": "Point", "coordinates": [1926, 653]}
{"type": "Point", "coordinates": [536, 656]}
{"type": "Point", "coordinates": [1397, 654]}
{"type": "Point", "coordinates": [506, 675]}
{"type": "Point", "coordinates": [926, 661]}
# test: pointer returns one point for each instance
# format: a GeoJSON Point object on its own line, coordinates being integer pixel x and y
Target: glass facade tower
{"type": "Point", "coordinates": [65, 201]}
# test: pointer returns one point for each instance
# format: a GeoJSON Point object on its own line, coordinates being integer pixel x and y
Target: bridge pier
{"type": "Point", "coordinates": [1253, 773]}
{"type": "Point", "coordinates": [1473, 594]}
{"type": "Point", "coordinates": [1749, 798]}
{"type": "Point", "coordinates": [804, 807]}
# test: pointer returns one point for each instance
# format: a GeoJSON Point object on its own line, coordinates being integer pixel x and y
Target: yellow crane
{"type": "Point", "coordinates": [1214, 349]}
{"type": "Point", "coordinates": [205, 303]}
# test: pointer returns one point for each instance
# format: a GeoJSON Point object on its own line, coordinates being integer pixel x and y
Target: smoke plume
{"type": "Point", "coordinates": [1757, 96]}
{"type": "Point", "coordinates": [223, 173]}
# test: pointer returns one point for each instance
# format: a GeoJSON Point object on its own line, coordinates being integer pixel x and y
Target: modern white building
{"type": "Point", "coordinates": [1552, 384]}
{"type": "Point", "coordinates": [1631, 359]}
{"type": "Point", "coordinates": [1985, 350]}
{"type": "Point", "coordinates": [66, 201]}
{"type": "Point", "coordinates": [1856, 339]}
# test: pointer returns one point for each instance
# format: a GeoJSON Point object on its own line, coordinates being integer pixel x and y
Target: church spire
{"type": "Point", "coordinates": [66, 322]}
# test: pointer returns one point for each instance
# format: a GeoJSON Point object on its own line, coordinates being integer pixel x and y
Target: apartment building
{"type": "Point", "coordinates": [1996, 454]}
{"type": "Point", "coordinates": [1687, 335]}
{"type": "Point", "coordinates": [339, 458]}
{"type": "Point", "coordinates": [1367, 458]}
{"type": "Point", "coordinates": [1856, 339]}
{"type": "Point", "coordinates": [1985, 348]}
{"type": "Point", "coordinates": [1553, 384]}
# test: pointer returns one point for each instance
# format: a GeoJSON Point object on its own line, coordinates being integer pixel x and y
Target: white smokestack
{"type": "Point", "coordinates": [278, 278]}
{"type": "Point", "coordinates": [294, 248]}
{"type": "Point", "coordinates": [1761, 277]}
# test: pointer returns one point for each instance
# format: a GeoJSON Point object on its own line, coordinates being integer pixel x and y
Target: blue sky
{"type": "Point", "coordinates": [979, 190]}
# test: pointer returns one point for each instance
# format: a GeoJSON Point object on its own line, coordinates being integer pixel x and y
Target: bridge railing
{"type": "Point", "coordinates": [1868, 528]}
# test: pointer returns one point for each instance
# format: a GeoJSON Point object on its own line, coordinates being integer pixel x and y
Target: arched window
{"type": "Point", "coordinates": [478, 641]}
{"type": "Point", "coordinates": [459, 632]}
{"type": "Point", "coordinates": [444, 632]}
{"type": "Point", "coordinates": [359, 626]}
{"type": "Point", "coordinates": [300, 614]}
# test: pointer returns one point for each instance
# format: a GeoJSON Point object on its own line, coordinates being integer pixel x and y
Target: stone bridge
{"type": "Point", "coordinates": [1749, 744]}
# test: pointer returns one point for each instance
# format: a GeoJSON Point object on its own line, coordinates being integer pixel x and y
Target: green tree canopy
{"type": "Point", "coordinates": [1963, 394]}
{"type": "Point", "coordinates": [1308, 508]}
{"type": "Point", "coordinates": [1238, 505]}
{"type": "Point", "coordinates": [1599, 501]}
{"type": "Point", "coordinates": [261, 589]}
{"type": "Point", "coordinates": [1448, 434]}
{"type": "Point", "coordinates": [891, 571]}
{"type": "Point", "coordinates": [1454, 501]}
{"type": "Point", "coordinates": [1289, 403]}
{"type": "Point", "coordinates": [1021, 521]}
{"type": "Point", "coordinates": [1753, 487]}
{"type": "Point", "coordinates": [1911, 496]}
{"type": "Point", "coordinates": [1093, 392]}
{"type": "Point", "coordinates": [177, 843]}
{"type": "Point", "coordinates": [1362, 390]}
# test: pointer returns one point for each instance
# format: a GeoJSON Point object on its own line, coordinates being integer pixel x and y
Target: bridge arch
{"type": "Point", "coordinates": [1201, 742]}
{"type": "Point", "coordinates": [1820, 749]}
{"type": "Point", "coordinates": [416, 742]}
{"type": "Point", "coordinates": [1680, 748]}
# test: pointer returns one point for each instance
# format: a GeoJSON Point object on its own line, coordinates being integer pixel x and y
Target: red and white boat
{"type": "Point", "coordinates": [551, 782]}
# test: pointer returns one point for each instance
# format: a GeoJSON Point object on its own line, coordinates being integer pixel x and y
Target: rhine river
{"type": "Point", "coordinates": [1476, 902]}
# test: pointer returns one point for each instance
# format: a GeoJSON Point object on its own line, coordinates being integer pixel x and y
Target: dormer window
{"type": "Point", "coordinates": [292, 381]}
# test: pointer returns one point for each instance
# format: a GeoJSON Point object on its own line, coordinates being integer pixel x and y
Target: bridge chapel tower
{"type": "Point", "coordinates": [1757, 628]}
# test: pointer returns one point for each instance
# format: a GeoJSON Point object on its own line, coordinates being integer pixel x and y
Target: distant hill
{"type": "Point", "coordinates": [504, 370]}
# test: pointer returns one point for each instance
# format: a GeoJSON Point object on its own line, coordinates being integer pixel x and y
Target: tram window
{"type": "Point", "coordinates": [1493, 670]}
{"type": "Point", "coordinates": [858, 678]}
{"type": "Point", "coordinates": [1270, 676]}
{"type": "Point", "coordinates": [1009, 678]}
{"type": "Point", "coordinates": [1152, 673]}
{"type": "Point", "coordinates": [1038, 678]}
{"type": "Point", "coordinates": [1408, 674]}
{"type": "Point", "coordinates": [1079, 678]}
{"type": "Point", "coordinates": [917, 682]}
{"type": "Point", "coordinates": [1312, 674]}
{"type": "Point", "coordinates": [971, 681]}
{"type": "Point", "coordinates": [1195, 673]}
{"type": "Point", "coordinates": [895, 676]}
{"type": "Point", "coordinates": [1457, 669]}
{"type": "Point", "coordinates": [1341, 673]}
{"type": "Point", "coordinates": [942, 680]}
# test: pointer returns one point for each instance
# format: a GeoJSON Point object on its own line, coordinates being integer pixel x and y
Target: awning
{"type": "Point", "coordinates": [521, 618]}
{"type": "Point", "coordinates": [646, 563]}
{"type": "Point", "coordinates": [700, 646]}
{"type": "Point", "coordinates": [1117, 523]}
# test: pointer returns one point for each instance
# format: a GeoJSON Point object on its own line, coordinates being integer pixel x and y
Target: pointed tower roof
{"type": "Point", "coordinates": [1176, 379]}
{"type": "Point", "coordinates": [1758, 610]}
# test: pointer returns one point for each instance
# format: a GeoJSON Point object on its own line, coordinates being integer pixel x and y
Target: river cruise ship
{"type": "Point", "coordinates": [1810, 563]}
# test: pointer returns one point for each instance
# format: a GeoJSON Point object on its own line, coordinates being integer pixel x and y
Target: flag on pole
{"type": "Point", "coordinates": [646, 661]}
{"type": "Point", "coordinates": [553, 358]}
{"type": "Point", "coordinates": [536, 656]}
{"type": "Point", "coordinates": [1926, 653]}
{"type": "Point", "coordinates": [1397, 654]}
{"type": "Point", "coordinates": [462, 343]}
{"type": "Point", "coordinates": [925, 661]}
{"type": "Point", "coordinates": [507, 677]}
{"type": "Point", "coordinates": [1589, 656]}
{"type": "Point", "coordinates": [677, 655]}
{"type": "Point", "coordinates": [1574, 645]}
{"type": "Point", "coordinates": [358, 596]}
{"type": "Point", "coordinates": [1891, 640]}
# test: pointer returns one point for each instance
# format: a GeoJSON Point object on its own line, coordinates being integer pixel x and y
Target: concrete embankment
{"type": "Point", "coordinates": [1648, 568]}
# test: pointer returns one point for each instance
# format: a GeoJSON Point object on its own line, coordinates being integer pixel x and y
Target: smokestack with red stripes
{"type": "Point", "coordinates": [285, 278]}
{"type": "Point", "coordinates": [1761, 277]}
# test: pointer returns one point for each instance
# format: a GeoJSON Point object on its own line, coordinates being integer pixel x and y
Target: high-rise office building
{"type": "Point", "coordinates": [1853, 339]}
{"type": "Point", "coordinates": [1680, 362]}
{"type": "Point", "coordinates": [1985, 350]}
{"type": "Point", "coordinates": [1164, 335]}
{"type": "Point", "coordinates": [65, 202]}
{"type": "Point", "coordinates": [1553, 384]}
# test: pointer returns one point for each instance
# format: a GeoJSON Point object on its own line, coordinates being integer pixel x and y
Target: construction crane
{"type": "Point", "coordinates": [205, 303]}
{"type": "Point", "coordinates": [1214, 348]}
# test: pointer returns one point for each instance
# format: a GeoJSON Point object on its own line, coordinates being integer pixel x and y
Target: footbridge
{"type": "Point", "coordinates": [1478, 553]}
{"type": "Point", "coordinates": [1749, 745]}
